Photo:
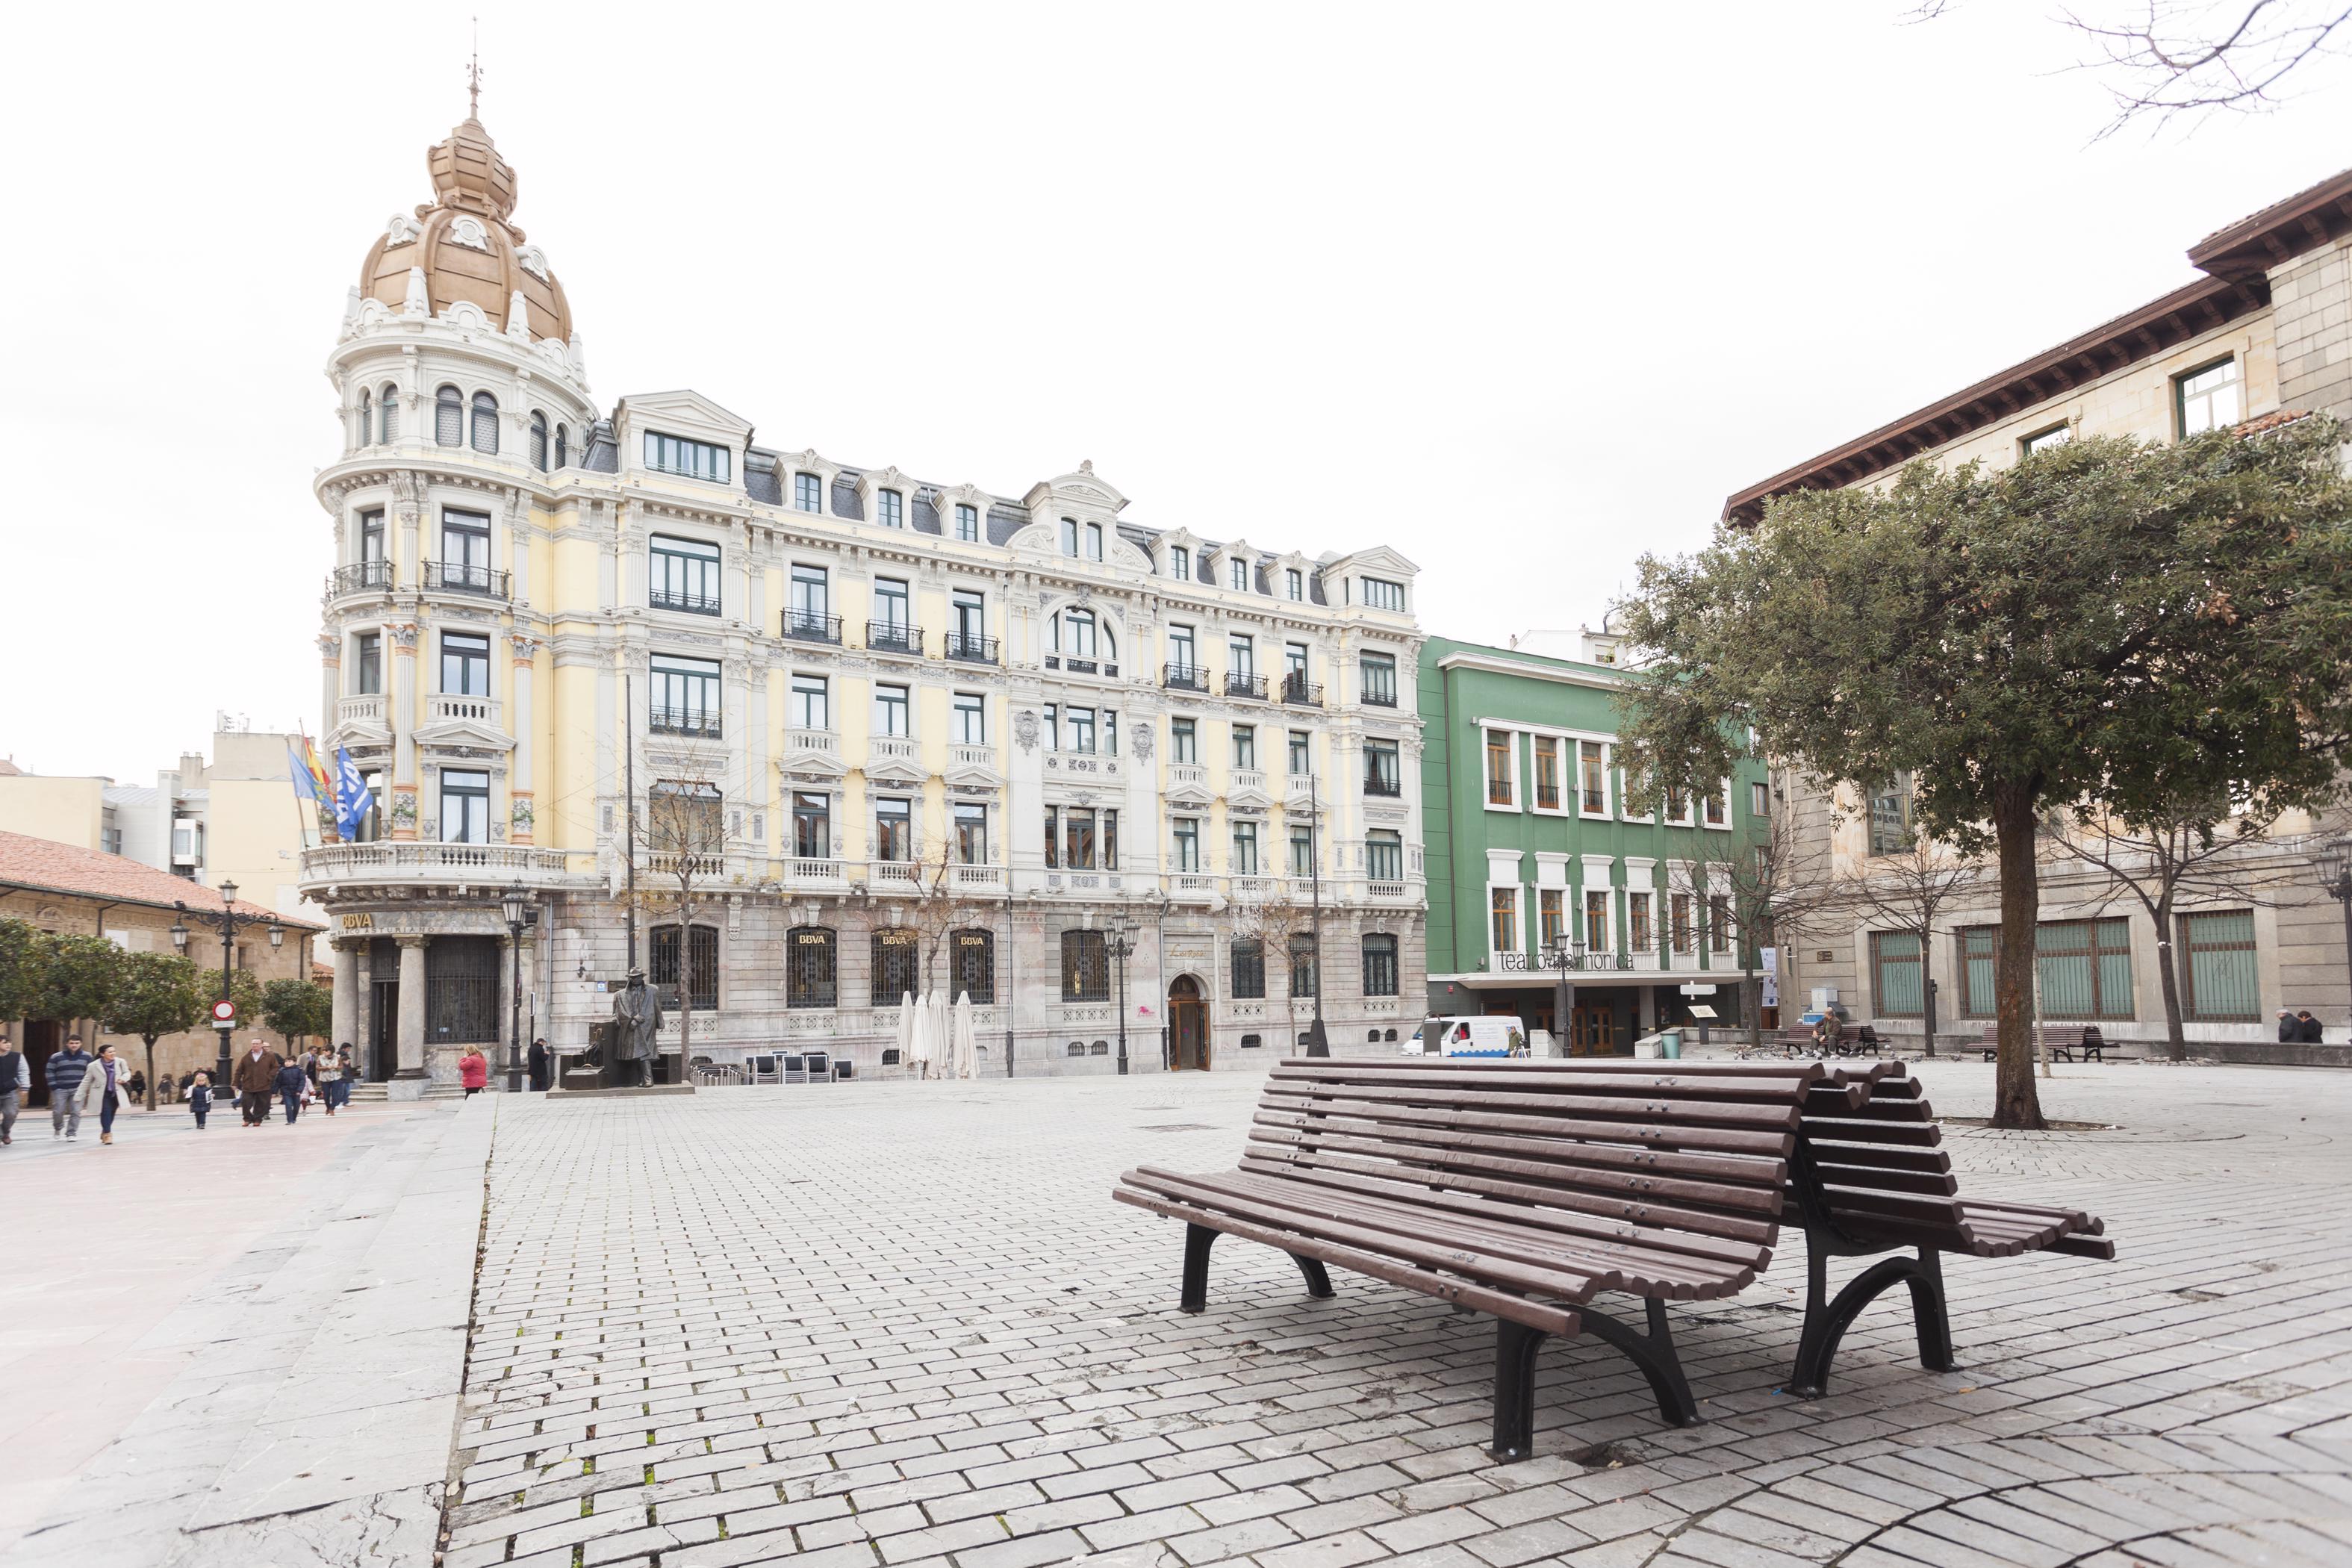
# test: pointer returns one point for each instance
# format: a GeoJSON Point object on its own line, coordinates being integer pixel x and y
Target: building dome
{"type": "Point", "coordinates": [465, 246]}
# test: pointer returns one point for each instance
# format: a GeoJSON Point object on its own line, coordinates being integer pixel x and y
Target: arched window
{"type": "Point", "coordinates": [448, 417]}
{"type": "Point", "coordinates": [539, 441]}
{"type": "Point", "coordinates": [486, 423]}
{"type": "Point", "coordinates": [971, 966]}
{"type": "Point", "coordinates": [563, 439]}
{"type": "Point", "coordinates": [387, 413]}
{"type": "Point", "coordinates": [367, 422]}
{"type": "Point", "coordinates": [701, 966]}
{"type": "Point", "coordinates": [809, 968]}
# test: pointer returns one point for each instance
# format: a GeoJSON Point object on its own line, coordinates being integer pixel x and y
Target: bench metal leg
{"type": "Point", "coordinates": [1654, 1352]}
{"type": "Point", "coordinates": [1194, 1298]}
{"type": "Point", "coordinates": [1826, 1324]}
{"type": "Point", "coordinates": [1319, 1282]}
{"type": "Point", "coordinates": [1514, 1390]}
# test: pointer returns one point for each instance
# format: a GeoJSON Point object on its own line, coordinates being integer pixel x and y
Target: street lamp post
{"type": "Point", "coordinates": [515, 906]}
{"type": "Point", "coordinates": [229, 923]}
{"type": "Point", "coordinates": [1318, 1043]}
{"type": "Point", "coordinates": [1563, 957]}
{"type": "Point", "coordinates": [1122, 943]}
{"type": "Point", "coordinates": [2334, 863]}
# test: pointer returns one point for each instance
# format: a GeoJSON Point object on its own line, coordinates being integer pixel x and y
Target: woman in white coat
{"type": "Point", "coordinates": [103, 1088]}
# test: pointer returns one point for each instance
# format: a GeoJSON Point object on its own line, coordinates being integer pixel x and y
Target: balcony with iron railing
{"type": "Point", "coordinates": [1377, 697]}
{"type": "Point", "coordinates": [1298, 691]}
{"type": "Point", "coordinates": [1237, 684]}
{"type": "Point", "coordinates": [1383, 784]}
{"type": "Point", "coordinates": [702, 723]}
{"type": "Point", "coordinates": [682, 599]}
{"type": "Point", "coordinates": [1184, 677]}
{"type": "Point", "coordinates": [894, 636]}
{"type": "Point", "coordinates": [462, 577]}
{"type": "Point", "coordinates": [361, 577]}
{"type": "Point", "coordinates": [808, 626]}
{"type": "Point", "coordinates": [971, 650]}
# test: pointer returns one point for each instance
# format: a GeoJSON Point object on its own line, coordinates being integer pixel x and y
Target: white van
{"type": "Point", "coordinates": [1468, 1036]}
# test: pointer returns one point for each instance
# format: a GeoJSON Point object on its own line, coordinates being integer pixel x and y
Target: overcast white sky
{"type": "Point", "coordinates": [1521, 290]}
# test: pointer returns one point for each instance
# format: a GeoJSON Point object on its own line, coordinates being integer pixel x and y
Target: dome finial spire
{"type": "Point", "coordinates": [474, 77]}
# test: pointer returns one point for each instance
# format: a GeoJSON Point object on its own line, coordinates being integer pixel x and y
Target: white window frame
{"type": "Point", "coordinates": [1486, 735]}
{"type": "Point", "coordinates": [1564, 751]}
{"type": "Point", "coordinates": [1595, 876]}
{"type": "Point", "coordinates": [1725, 799]}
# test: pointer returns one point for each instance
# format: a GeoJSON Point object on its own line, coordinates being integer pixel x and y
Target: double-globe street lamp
{"type": "Point", "coordinates": [519, 909]}
{"type": "Point", "coordinates": [229, 923]}
{"type": "Point", "coordinates": [1563, 957]}
{"type": "Point", "coordinates": [1121, 941]}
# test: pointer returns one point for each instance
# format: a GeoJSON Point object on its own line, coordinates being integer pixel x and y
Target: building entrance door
{"type": "Point", "coordinates": [1594, 1030]}
{"type": "Point", "coordinates": [1188, 1026]}
{"type": "Point", "coordinates": [383, 1049]}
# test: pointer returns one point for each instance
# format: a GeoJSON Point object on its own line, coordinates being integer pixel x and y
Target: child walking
{"type": "Point", "coordinates": [200, 1096]}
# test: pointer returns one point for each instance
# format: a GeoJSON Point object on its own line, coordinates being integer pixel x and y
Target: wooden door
{"type": "Point", "coordinates": [1188, 1026]}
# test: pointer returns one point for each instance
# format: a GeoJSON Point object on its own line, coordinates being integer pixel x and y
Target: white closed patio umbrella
{"type": "Point", "coordinates": [906, 1029]}
{"type": "Point", "coordinates": [925, 1040]}
{"type": "Point", "coordinates": [935, 1016]}
{"type": "Point", "coordinates": [966, 1040]}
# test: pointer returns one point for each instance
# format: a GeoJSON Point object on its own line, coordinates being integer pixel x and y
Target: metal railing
{"type": "Point", "coordinates": [1300, 692]}
{"type": "Point", "coordinates": [458, 578]}
{"type": "Point", "coordinates": [1183, 677]}
{"type": "Point", "coordinates": [679, 599]}
{"type": "Point", "coordinates": [1373, 698]}
{"type": "Point", "coordinates": [362, 576]}
{"type": "Point", "coordinates": [970, 648]}
{"type": "Point", "coordinates": [424, 858]}
{"type": "Point", "coordinates": [807, 625]}
{"type": "Point", "coordinates": [1240, 685]}
{"type": "Point", "coordinates": [1380, 784]}
{"type": "Point", "coordinates": [893, 636]}
{"type": "Point", "coordinates": [700, 722]}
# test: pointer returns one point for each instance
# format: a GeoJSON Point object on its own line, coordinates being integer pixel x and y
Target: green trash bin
{"type": "Point", "coordinates": [1670, 1044]}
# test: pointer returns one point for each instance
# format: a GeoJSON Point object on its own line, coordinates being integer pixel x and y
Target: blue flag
{"type": "Point", "coordinates": [352, 800]}
{"type": "Point", "coordinates": [304, 785]}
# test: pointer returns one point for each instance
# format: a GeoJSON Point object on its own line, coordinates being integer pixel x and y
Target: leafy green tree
{"type": "Point", "coordinates": [2106, 624]}
{"type": "Point", "coordinates": [23, 961]}
{"type": "Point", "coordinates": [78, 977]}
{"type": "Point", "coordinates": [298, 1008]}
{"type": "Point", "coordinates": [156, 994]}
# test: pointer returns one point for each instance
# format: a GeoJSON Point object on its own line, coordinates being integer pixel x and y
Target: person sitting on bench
{"type": "Point", "coordinates": [1825, 1033]}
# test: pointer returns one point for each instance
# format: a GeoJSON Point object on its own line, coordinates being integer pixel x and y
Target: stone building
{"type": "Point", "coordinates": [860, 734]}
{"type": "Point", "coordinates": [2262, 336]}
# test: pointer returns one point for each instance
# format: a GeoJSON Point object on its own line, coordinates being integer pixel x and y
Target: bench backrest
{"type": "Point", "coordinates": [1879, 1165]}
{"type": "Point", "coordinates": [1690, 1161]}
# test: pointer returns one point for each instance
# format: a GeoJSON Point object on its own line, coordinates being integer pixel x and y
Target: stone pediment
{"type": "Point", "coordinates": [897, 770]}
{"type": "Point", "coordinates": [806, 764]}
{"type": "Point", "coordinates": [1188, 794]}
{"type": "Point", "coordinates": [685, 406]}
{"type": "Point", "coordinates": [471, 734]}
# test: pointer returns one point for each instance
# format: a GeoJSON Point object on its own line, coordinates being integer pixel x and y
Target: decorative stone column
{"type": "Point", "coordinates": [521, 811]}
{"type": "Point", "coordinates": [403, 717]}
{"type": "Point", "coordinates": [347, 992]}
{"type": "Point", "coordinates": [408, 1082]}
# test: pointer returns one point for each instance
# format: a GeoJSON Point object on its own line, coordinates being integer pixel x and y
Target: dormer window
{"type": "Point", "coordinates": [1179, 562]}
{"type": "Point", "coordinates": [695, 459]}
{"type": "Point", "coordinates": [1094, 541]}
{"type": "Point", "coordinates": [1237, 575]}
{"type": "Point", "coordinates": [1380, 594]}
{"type": "Point", "coordinates": [808, 492]}
{"type": "Point", "coordinates": [1297, 582]}
{"type": "Point", "coordinates": [968, 523]}
{"type": "Point", "coordinates": [890, 509]}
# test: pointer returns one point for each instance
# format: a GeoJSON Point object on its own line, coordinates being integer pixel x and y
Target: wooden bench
{"type": "Point", "coordinates": [1519, 1189]}
{"type": "Point", "coordinates": [1873, 1178]}
{"type": "Point", "coordinates": [2063, 1040]}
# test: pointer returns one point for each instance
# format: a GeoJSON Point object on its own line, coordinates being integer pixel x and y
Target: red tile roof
{"type": "Point", "coordinates": [43, 865]}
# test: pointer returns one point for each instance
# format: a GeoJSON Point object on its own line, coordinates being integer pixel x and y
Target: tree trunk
{"type": "Point", "coordinates": [150, 1039]}
{"type": "Point", "coordinates": [1751, 998]}
{"type": "Point", "coordinates": [2016, 1102]}
{"type": "Point", "coordinates": [1928, 988]}
{"type": "Point", "coordinates": [2176, 1037]}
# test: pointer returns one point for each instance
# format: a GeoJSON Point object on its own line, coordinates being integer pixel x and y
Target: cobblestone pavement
{"type": "Point", "coordinates": [904, 1323]}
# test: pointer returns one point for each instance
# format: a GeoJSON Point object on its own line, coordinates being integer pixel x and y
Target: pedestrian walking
{"type": "Point", "coordinates": [291, 1086]}
{"type": "Point", "coordinates": [328, 1075]}
{"type": "Point", "coordinates": [65, 1072]}
{"type": "Point", "coordinates": [15, 1081]}
{"type": "Point", "coordinates": [200, 1097]}
{"type": "Point", "coordinates": [538, 1066]}
{"type": "Point", "coordinates": [255, 1080]}
{"type": "Point", "coordinates": [348, 1066]}
{"type": "Point", "coordinates": [474, 1071]}
{"type": "Point", "coordinates": [103, 1088]}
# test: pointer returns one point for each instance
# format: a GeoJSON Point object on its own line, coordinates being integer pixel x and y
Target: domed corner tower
{"type": "Point", "coordinates": [466, 430]}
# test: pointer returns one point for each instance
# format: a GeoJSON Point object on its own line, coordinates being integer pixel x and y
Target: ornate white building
{"type": "Point", "coordinates": [903, 734]}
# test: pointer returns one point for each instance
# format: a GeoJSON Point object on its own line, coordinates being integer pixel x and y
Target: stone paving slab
{"type": "Point", "coordinates": [904, 1324]}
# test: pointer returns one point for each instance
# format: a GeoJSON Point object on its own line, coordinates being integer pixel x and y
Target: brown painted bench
{"type": "Point", "coordinates": [2064, 1040]}
{"type": "Point", "coordinates": [1875, 1177]}
{"type": "Point", "coordinates": [1519, 1189]}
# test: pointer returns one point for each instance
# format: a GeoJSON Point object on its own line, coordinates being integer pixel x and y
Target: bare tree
{"type": "Point", "coordinates": [1908, 891]}
{"type": "Point", "coordinates": [2164, 59]}
{"type": "Point", "coordinates": [2190, 856]}
{"type": "Point", "coordinates": [1776, 884]}
{"type": "Point", "coordinates": [1276, 923]}
{"type": "Point", "coordinates": [683, 838]}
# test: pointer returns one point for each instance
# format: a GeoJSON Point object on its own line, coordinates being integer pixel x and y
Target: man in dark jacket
{"type": "Point", "coordinates": [2307, 1029]}
{"type": "Point", "coordinates": [538, 1060]}
{"type": "Point", "coordinates": [2290, 1028]}
{"type": "Point", "coordinates": [16, 1077]}
{"type": "Point", "coordinates": [255, 1079]}
{"type": "Point", "coordinates": [291, 1082]}
{"type": "Point", "coordinates": [64, 1072]}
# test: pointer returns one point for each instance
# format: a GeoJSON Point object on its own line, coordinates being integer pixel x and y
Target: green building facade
{"type": "Point", "coordinates": [1532, 858]}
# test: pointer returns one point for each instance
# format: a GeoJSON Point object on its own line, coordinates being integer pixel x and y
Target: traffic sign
{"type": "Point", "coordinates": [1698, 990]}
{"type": "Point", "coordinates": [223, 1012]}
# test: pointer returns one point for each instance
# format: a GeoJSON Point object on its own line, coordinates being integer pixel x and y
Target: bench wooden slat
{"type": "Point", "coordinates": [1528, 1140]}
{"type": "Point", "coordinates": [1561, 1078]}
{"type": "Point", "coordinates": [1775, 1142]}
{"type": "Point", "coordinates": [1654, 1111]}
